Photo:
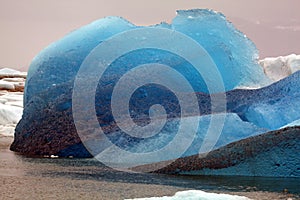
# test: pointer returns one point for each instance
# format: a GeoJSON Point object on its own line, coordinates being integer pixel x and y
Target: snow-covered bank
{"type": "Point", "coordinates": [11, 99]}
{"type": "Point", "coordinates": [196, 195]}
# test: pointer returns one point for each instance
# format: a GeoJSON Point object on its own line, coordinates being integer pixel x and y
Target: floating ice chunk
{"type": "Point", "coordinates": [10, 114]}
{"type": "Point", "coordinates": [4, 85]}
{"type": "Point", "coordinates": [18, 80]}
{"type": "Point", "coordinates": [196, 195]}
{"type": "Point", "coordinates": [50, 81]}
{"type": "Point", "coordinates": [7, 72]}
{"type": "Point", "coordinates": [15, 84]}
{"type": "Point", "coordinates": [280, 67]}
{"type": "Point", "coordinates": [293, 61]}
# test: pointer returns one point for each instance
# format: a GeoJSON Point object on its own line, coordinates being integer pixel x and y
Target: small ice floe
{"type": "Point", "coordinates": [197, 195]}
{"type": "Point", "coordinates": [53, 156]}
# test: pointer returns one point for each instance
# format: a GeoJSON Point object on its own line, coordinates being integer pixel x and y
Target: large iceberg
{"type": "Point", "coordinates": [77, 85]}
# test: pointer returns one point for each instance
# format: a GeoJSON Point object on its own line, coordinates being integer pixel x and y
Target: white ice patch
{"type": "Point", "coordinates": [7, 72]}
{"type": "Point", "coordinates": [294, 123]}
{"type": "Point", "coordinates": [10, 114]}
{"type": "Point", "coordinates": [197, 195]}
{"type": "Point", "coordinates": [7, 130]}
{"type": "Point", "coordinates": [280, 67]}
{"type": "Point", "coordinates": [4, 85]}
{"type": "Point", "coordinates": [11, 103]}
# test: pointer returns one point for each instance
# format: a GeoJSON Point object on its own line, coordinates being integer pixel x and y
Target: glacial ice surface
{"type": "Point", "coordinates": [234, 129]}
{"type": "Point", "coordinates": [59, 62]}
{"type": "Point", "coordinates": [233, 53]}
{"type": "Point", "coordinates": [278, 104]}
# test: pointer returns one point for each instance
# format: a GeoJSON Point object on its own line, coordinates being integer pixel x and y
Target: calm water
{"type": "Point", "coordinates": [93, 170]}
{"type": "Point", "coordinates": [16, 166]}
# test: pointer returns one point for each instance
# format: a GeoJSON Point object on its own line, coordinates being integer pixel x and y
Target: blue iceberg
{"type": "Point", "coordinates": [112, 61]}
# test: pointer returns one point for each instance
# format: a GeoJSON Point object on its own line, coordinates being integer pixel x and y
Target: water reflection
{"type": "Point", "coordinates": [91, 169]}
{"type": "Point", "coordinates": [12, 164]}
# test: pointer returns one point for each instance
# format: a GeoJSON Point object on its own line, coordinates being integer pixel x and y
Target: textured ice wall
{"type": "Point", "coordinates": [234, 129]}
{"type": "Point", "coordinates": [54, 121]}
{"type": "Point", "coordinates": [235, 55]}
{"type": "Point", "coordinates": [270, 154]}
{"type": "Point", "coordinates": [278, 104]}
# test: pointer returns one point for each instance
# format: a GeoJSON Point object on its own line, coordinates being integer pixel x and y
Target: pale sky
{"type": "Point", "coordinates": [28, 26]}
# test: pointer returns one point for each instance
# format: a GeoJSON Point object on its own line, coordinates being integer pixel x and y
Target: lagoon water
{"type": "Point", "coordinates": [59, 178]}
